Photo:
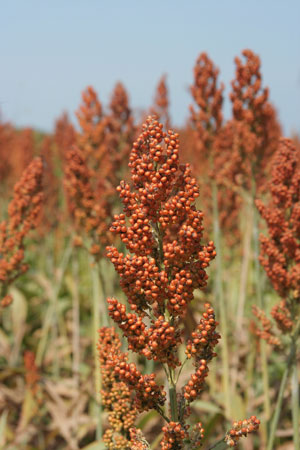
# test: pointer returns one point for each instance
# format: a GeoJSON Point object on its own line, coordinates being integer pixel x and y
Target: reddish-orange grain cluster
{"type": "Point", "coordinates": [163, 230]}
{"type": "Point", "coordinates": [116, 396]}
{"type": "Point", "coordinates": [255, 127]}
{"type": "Point", "coordinates": [201, 348]}
{"type": "Point", "coordinates": [174, 435]}
{"type": "Point", "coordinates": [148, 394]}
{"type": "Point", "coordinates": [267, 332]}
{"type": "Point", "coordinates": [159, 342]}
{"type": "Point", "coordinates": [137, 440]}
{"type": "Point", "coordinates": [92, 123]}
{"type": "Point", "coordinates": [208, 96]}
{"type": "Point", "coordinates": [212, 146]}
{"type": "Point", "coordinates": [280, 252]}
{"type": "Point", "coordinates": [240, 429]}
{"type": "Point", "coordinates": [23, 214]}
{"type": "Point", "coordinates": [205, 337]}
{"type": "Point", "coordinates": [162, 225]}
{"type": "Point", "coordinates": [94, 164]}
{"type": "Point", "coordinates": [282, 316]}
{"type": "Point", "coordinates": [89, 215]}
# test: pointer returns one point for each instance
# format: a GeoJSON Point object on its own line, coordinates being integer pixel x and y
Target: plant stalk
{"type": "Point", "coordinates": [260, 303]}
{"type": "Point", "coordinates": [295, 404]}
{"type": "Point", "coordinates": [173, 397]}
{"type": "Point", "coordinates": [220, 296]}
{"type": "Point", "coordinates": [96, 302]}
{"type": "Point", "coordinates": [290, 362]}
{"type": "Point", "coordinates": [76, 322]}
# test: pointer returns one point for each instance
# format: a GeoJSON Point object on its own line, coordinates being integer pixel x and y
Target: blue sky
{"type": "Point", "coordinates": [51, 50]}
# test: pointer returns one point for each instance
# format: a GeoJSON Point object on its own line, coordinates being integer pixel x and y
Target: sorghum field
{"type": "Point", "coordinates": [150, 276]}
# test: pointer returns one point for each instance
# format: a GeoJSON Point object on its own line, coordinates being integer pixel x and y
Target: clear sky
{"type": "Point", "coordinates": [52, 49]}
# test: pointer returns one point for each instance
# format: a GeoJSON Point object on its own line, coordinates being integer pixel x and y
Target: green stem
{"type": "Point", "coordinates": [244, 269]}
{"type": "Point", "coordinates": [291, 360]}
{"type": "Point", "coordinates": [75, 321]}
{"type": "Point", "coordinates": [220, 445]}
{"type": "Point", "coordinates": [103, 304]}
{"type": "Point", "coordinates": [295, 404]}
{"type": "Point", "coordinates": [173, 397]}
{"type": "Point", "coordinates": [220, 296]}
{"type": "Point", "coordinates": [260, 303]}
{"type": "Point", "coordinates": [96, 302]}
{"type": "Point", "coordinates": [278, 409]}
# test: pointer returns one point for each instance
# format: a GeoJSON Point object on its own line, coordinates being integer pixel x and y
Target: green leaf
{"type": "Point", "coordinates": [95, 446]}
{"type": "Point", "coordinates": [3, 420]}
{"type": "Point", "coordinates": [207, 407]}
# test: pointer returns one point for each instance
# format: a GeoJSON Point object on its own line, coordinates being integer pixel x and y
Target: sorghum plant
{"type": "Point", "coordinates": [91, 140]}
{"type": "Point", "coordinates": [256, 128]}
{"type": "Point", "coordinates": [280, 251]}
{"type": "Point", "coordinates": [212, 146]}
{"type": "Point", "coordinates": [87, 165]}
{"type": "Point", "coordinates": [23, 214]}
{"type": "Point", "coordinates": [256, 134]}
{"type": "Point", "coordinates": [206, 120]}
{"type": "Point", "coordinates": [280, 257]}
{"type": "Point", "coordinates": [207, 117]}
{"type": "Point", "coordinates": [240, 429]}
{"type": "Point", "coordinates": [89, 215]}
{"type": "Point", "coordinates": [167, 260]}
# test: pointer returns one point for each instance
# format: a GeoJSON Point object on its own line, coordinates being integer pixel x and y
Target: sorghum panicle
{"type": "Point", "coordinates": [174, 435]}
{"type": "Point", "coordinates": [201, 348]}
{"type": "Point", "coordinates": [212, 147]}
{"type": "Point", "coordinates": [115, 394]}
{"type": "Point", "coordinates": [280, 251]}
{"type": "Point", "coordinates": [256, 127]}
{"type": "Point", "coordinates": [267, 332]}
{"type": "Point", "coordinates": [92, 123]}
{"type": "Point", "coordinates": [23, 214]}
{"type": "Point", "coordinates": [207, 117]}
{"type": "Point", "coordinates": [137, 440]}
{"type": "Point", "coordinates": [162, 228]}
{"type": "Point", "coordinates": [89, 215]}
{"type": "Point", "coordinates": [240, 429]}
